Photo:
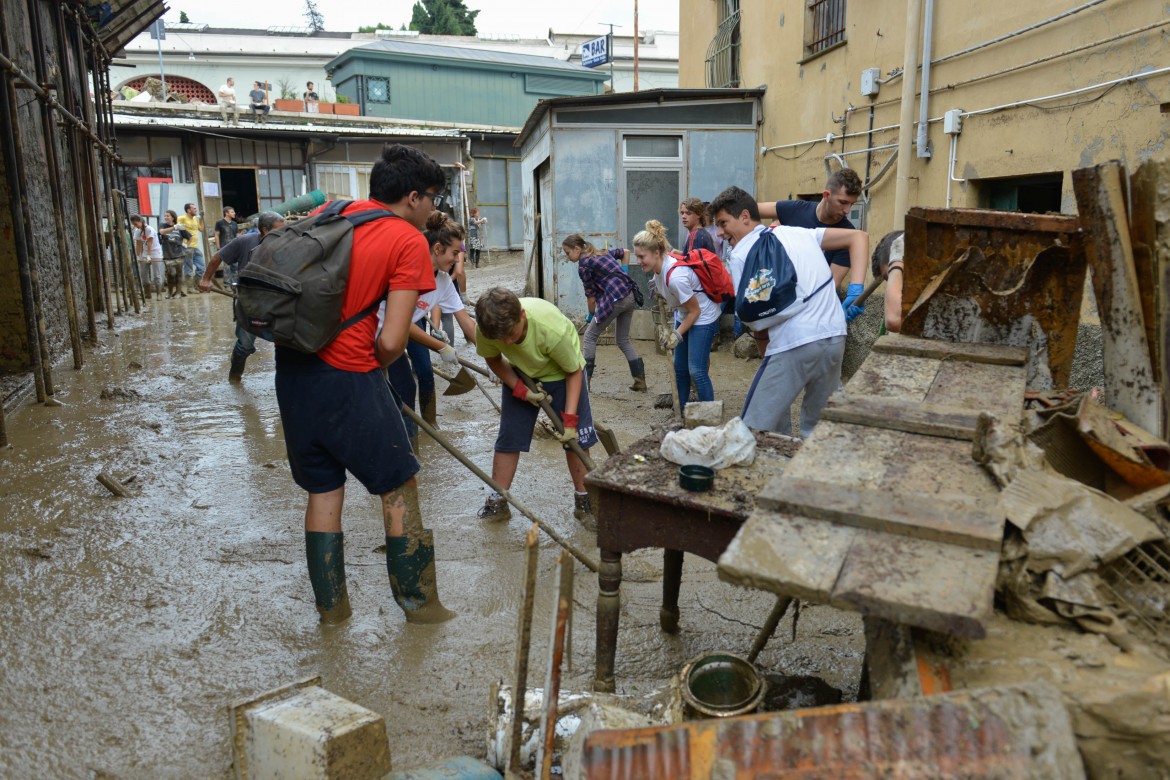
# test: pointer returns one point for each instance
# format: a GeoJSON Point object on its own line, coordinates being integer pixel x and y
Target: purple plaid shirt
{"type": "Point", "coordinates": [605, 281]}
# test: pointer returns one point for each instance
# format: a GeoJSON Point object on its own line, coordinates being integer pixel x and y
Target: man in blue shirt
{"type": "Point", "coordinates": [841, 191]}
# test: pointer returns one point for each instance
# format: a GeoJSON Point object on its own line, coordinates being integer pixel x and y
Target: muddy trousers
{"type": "Point", "coordinates": [623, 312]}
{"type": "Point", "coordinates": [325, 555]}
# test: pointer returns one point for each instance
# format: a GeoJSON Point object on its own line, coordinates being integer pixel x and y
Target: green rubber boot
{"type": "Point", "coordinates": [426, 402]}
{"type": "Point", "coordinates": [325, 553]}
{"type": "Point", "coordinates": [412, 578]}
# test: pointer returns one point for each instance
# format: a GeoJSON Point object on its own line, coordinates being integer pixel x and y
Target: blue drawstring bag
{"type": "Point", "coordinates": [770, 291]}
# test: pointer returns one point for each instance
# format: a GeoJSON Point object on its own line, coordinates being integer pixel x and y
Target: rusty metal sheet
{"type": "Point", "coordinates": [1010, 732]}
{"type": "Point", "coordinates": [991, 274]}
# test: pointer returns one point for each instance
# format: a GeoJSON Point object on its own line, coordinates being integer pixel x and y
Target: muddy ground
{"type": "Point", "coordinates": [129, 624]}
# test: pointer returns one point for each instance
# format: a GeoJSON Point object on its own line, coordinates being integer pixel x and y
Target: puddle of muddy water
{"type": "Point", "coordinates": [129, 624]}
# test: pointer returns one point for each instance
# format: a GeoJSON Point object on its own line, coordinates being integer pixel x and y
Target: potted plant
{"type": "Point", "coordinates": [345, 108]}
{"type": "Point", "coordinates": [287, 100]}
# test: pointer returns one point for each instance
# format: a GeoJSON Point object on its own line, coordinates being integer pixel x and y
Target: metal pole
{"type": "Point", "coordinates": [906, 120]}
{"type": "Point", "coordinates": [162, 76]}
{"type": "Point", "coordinates": [923, 140]}
{"type": "Point", "coordinates": [49, 121]}
{"type": "Point", "coordinates": [95, 195]}
{"type": "Point", "coordinates": [635, 45]}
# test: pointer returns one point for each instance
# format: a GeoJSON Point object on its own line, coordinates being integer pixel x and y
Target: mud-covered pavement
{"type": "Point", "coordinates": [128, 624]}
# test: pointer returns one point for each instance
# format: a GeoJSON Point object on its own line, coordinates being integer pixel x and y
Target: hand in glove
{"type": "Point", "coordinates": [589, 317]}
{"type": "Point", "coordinates": [847, 306]}
{"type": "Point", "coordinates": [673, 340]}
{"type": "Point", "coordinates": [440, 334]}
{"type": "Point", "coordinates": [448, 354]}
{"type": "Point", "coordinates": [570, 433]}
{"type": "Point", "coordinates": [534, 397]}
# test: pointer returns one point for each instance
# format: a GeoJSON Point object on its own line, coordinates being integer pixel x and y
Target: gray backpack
{"type": "Point", "coordinates": [293, 286]}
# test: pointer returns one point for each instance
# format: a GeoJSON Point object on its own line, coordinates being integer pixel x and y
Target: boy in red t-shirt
{"type": "Point", "coordinates": [339, 412]}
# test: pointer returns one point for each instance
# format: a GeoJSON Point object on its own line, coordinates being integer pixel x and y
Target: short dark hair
{"type": "Point", "coordinates": [188, 206]}
{"type": "Point", "coordinates": [735, 201]}
{"type": "Point", "coordinates": [881, 254]}
{"type": "Point", "coordinates": [135, 218]}
{"type": "Point", "coordinates": [847, 178]}
{"type": "Point", "coordinates": [497, 312]}
{"type": "Point", "coordinates": [226, 209]}
{"type": "Point", "coordinates": [402, 170]}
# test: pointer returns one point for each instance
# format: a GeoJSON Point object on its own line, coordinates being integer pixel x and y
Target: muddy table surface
{"type": "Point", "coordinates": [641, 471]}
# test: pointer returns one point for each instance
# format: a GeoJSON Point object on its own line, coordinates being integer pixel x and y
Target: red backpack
{"type": "Point", "coordinates": [713, 277]}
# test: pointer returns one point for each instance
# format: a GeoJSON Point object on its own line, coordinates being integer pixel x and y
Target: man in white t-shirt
{"type": "Point", "coordinates": [227, 102]}
{"type": "Point", "coordinates": [802, 352]}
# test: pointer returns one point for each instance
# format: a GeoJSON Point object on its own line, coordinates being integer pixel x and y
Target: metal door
{"type": "Point", "coordinates": [546, 274]}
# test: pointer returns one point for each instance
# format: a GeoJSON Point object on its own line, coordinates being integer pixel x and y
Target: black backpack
{"type": "Point", "coordinates": [173, 244]}
{"type": "Point", "coordinates": [293, 287]}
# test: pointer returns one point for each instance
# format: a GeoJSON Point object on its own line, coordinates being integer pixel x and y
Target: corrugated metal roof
{"type": "Point", "coordinates": [468, 54]}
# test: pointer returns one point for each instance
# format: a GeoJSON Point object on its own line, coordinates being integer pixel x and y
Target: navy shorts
{"type": "Point", "coordinates": [337, 421]}
{"type": "Point", "coordinates": [518, 418]}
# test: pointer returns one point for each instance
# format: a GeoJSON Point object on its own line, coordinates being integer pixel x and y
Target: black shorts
{"type": "Point", "coordinates": [518, 418]}
{"type": "Point", "coordinates": [337, 421]}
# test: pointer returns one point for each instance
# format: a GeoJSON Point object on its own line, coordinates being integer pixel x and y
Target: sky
{"type": "Point", "coordinates": [527, 18]}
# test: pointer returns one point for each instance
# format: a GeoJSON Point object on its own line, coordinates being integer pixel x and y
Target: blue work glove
{"type": "Point", "coordinates": [851, 294]}
{"type": "Point", "coordinates": [589, 317]}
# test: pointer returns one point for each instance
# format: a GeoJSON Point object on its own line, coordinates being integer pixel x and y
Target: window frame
{"type": "Point", "coordinates": [827, 41]}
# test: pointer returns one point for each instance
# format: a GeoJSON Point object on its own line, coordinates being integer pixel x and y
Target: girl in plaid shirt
{"type": "Point", "coordinates": [612, 295]}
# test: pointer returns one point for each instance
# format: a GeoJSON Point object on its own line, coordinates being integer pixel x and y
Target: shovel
{"type": "Point", "coordinates": [458, 383]}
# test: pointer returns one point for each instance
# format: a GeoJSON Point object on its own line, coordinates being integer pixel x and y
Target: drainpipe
{"type": "Point", "coordinates": [906, 119]}
{"type": "Point", "coordinates": [924, 92]}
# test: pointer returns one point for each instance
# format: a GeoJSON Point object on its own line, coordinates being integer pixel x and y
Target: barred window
{"type": "Point", "coordinates": [723, 53]}
{"type": "Point", "coordinates": [824, 25]}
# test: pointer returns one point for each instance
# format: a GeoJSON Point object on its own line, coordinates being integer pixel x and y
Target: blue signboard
{"type": "Point", "coordinates": [598, 51]}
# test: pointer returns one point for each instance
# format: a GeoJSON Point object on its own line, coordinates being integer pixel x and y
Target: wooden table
{"type": "Point", "coordinates": [640, 505]}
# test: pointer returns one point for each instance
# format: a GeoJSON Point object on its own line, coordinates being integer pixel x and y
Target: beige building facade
{"type": "Point", "coordinates": [1036, 89]}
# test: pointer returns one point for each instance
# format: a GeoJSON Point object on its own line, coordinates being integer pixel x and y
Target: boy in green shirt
{"type": "Point", "coordinates": [542, 344]}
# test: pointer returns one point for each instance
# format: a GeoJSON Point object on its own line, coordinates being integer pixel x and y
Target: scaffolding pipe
{"type": "Point", "coordinates": [49, 122]}
{"type": "Point", "coordinates": [94, 195]}
{"type": "Point", "coordinates": [906, 123]}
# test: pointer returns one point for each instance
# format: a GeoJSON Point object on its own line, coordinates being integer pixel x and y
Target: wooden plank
{"type": "Point", "coordinates": [1129, 380]}
{"type": "Point", "coordinates": [1151, 238]}
{"type": "Point", "coordinates": [898, 415]}
{"type": "Point", "coordinates": [940, 587]}
{"type": "Point", "coordinates": [893, 376]}
{"type": "Point", "coordinates": [962, 523]}
{"type": "Point", "coordinates": [995, 354]}
{"type": "Point", "coordinates": [893, 461]}
{"type": "Point", "coordinates": [793, 556]}
{"type": "Point", "coordinates": [980, 387]}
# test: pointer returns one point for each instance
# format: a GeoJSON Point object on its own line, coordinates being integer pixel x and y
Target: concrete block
{"type": "Point", "coordinates": [304, 731]}
{"type": "Point", "coordinates": [704, 413]}
{"type": "Point", "coordinates": [642, 326]}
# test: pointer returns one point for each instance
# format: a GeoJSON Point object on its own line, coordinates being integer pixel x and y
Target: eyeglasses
{"type": "Point", "coordinates": [438, 199]}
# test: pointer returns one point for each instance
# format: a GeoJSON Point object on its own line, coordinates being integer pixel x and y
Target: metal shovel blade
{"type": "Point", "coordinates": [458, 384]}
{"type": "Point", "coordinates": [607, 438]}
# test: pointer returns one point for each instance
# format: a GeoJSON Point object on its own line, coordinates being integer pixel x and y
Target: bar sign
{"type": "Point", "coordinates": [598, 51]}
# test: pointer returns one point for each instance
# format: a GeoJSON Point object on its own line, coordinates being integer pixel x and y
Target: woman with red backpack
{"type": "Point", "coordinates": [696, 320]}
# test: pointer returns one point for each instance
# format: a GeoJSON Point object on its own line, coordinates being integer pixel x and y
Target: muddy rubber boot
{"type": "Point", "coordinates": [412, 578]}
{"type": "Point", "coordinates": [583, 511]}
{"type": "Point", "coordinates": [589, 366]}
{"type": "Point", "coordinates": [325, 554]}
{"type": "Point", "coordinates": [638, 372]}
{"type": "Point", "coordinates": [236, 372]}
{"type": "Point", "coordinates": [429, 411]}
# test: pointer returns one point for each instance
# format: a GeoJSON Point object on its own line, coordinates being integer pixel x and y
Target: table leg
{"type": "Point", "coordinates": [672, 563]}
{"type": "Point", "coordinates": [609, 583]}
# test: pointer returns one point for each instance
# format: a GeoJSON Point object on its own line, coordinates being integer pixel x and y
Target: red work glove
{"type": "Point", "coordinates": [535, 397]}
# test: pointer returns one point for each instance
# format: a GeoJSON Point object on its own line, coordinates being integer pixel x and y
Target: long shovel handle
{"type": "Point", "coordinates": [474, 367]}
{"type": "Point", "coordinates": [868, 291]}
{"type": "Point", "coordinates": [559, 424]}
{"type": "Point", "coordinates": [429, 430]}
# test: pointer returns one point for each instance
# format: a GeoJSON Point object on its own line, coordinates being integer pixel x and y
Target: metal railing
{"type": "Point", "coordinates": [723, 54]}
{"type": "Point", "coordinates": [826, 25]}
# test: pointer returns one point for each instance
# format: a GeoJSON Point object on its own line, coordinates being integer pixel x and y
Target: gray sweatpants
{"type": "Point", "coordinates": [814, 368]}
{"type": "Point", "coordinates": [623, 312]}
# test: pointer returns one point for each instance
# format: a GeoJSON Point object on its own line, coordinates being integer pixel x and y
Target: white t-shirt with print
{"type": "Point", "coordinates": [684, 285]}
{"type": "Point", "coordinates": [147, 232]}
{"type": "Point", "coordinates": [822, 317]}
{"type": "Point", "coordinates": [445, 296]}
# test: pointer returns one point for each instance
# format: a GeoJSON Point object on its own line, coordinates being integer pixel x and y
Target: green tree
{"type": "Point", "coordinates": [183, 17]}
{"type": "Point", "coordinates": [443, 17]}
{"type": "Point", "coordinates": [313, 16]}
{"type": "Point", "coordinates": [375, 27]}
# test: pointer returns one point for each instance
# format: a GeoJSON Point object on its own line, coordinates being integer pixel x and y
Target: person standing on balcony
{"type": "Point", "coordinates": [311, 99]}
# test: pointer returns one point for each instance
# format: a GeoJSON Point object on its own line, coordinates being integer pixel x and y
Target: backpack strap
{"type": "Point", "coordinates": [362, 217]}
{"type": "Point", "coordinates": [824, 284]}
{"type": "Point", "coordinates": [361, 315]}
